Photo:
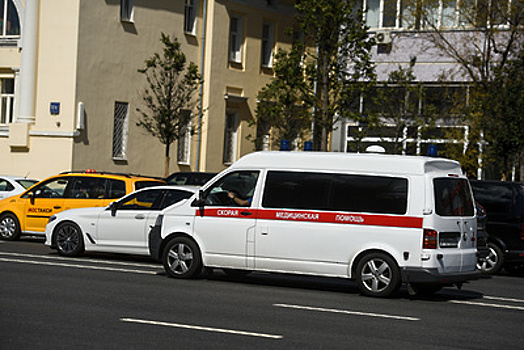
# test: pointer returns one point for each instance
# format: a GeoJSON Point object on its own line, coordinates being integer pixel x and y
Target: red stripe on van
{"type": "Point", "coordinates": [312, 216]}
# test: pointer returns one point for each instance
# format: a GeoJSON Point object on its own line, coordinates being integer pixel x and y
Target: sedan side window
{"type": "Point", "coordinates": [142, 200]}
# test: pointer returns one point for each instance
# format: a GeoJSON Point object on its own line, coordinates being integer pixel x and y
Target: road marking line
{"type": "Point", "coordinates": [503, 299]}
{"type": "Point", "coordinates": [347, 312]}
{"type": "Point", "coordinates": [200, 328]}
{"type": "Point", "coordinates": [78, 266]}
{"type": "Point", "coordinates": [109, 262]}
{"type": "Point", "coordinates": [500, 306]}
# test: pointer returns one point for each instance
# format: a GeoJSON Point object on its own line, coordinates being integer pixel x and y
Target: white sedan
{"type": "Point", "coordinates": [122, 227]}
{"type": "Point", "coordinates": [11, 185]}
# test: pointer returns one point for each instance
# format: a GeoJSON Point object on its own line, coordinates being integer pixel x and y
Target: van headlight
{"type": "Point", "coordinates": [159, 220]}
{"type": "Point", "coordinates": [52, 218]}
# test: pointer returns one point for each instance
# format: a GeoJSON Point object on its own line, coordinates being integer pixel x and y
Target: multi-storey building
{"type": "Point", "coordinates": [70, 86]}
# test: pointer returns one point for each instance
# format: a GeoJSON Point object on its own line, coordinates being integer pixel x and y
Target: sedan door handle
{"type": "Point", "coordinates": [140, 216]}
{"type": "Point", "coordinates": [245, 213]}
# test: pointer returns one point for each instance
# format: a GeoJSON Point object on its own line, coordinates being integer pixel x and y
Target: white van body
{"type": "Point", "coordinates": [393, 216]}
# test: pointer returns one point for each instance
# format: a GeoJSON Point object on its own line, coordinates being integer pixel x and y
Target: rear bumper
{"type": "Point", "coordinates": [432, 276]}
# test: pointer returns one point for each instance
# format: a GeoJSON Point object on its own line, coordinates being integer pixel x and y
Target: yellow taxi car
{"type": "Point", "coordinates": [29, 212]}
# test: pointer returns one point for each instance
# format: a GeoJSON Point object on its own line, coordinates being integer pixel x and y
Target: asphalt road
{"type": "Point", "coordinates": [114, 301]}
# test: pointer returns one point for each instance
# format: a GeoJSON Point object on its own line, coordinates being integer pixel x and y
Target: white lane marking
{"type": "Point", "coordinates": [500, 306]}
{"type": "Point", "coordinates": [200, 328]}
{"type": "Point", "coordinates": [347, 312]}
{"type": "Point", "coordinates": [109, 262]}
{"type": "Point", "coordinates": [511, 300]}
{"type": "Point", "coordinates": [85, 267]}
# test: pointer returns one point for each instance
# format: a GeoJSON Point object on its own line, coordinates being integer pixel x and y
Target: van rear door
{"type": "Point", "coordinates": [455, 224]}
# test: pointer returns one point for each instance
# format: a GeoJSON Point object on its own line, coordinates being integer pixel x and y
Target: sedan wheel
{"type": "Point", "coordinates": [68, 239]}
{"type": "Point", "coordinates": [378, 275]}
{"type": "Point", "coordinates": [181, 258]}
{"type": "Point", "coordinates": [9, 227]}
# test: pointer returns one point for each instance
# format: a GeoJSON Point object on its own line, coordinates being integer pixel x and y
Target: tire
{"type": "Point", "coordinates": [181, 258]}
{"type": "Point", "coordinates": [68, 239]}
{"type": "Point", "coordinates": [378, 275]}
{"type": "Point", "coordinates": [9, 227]}
{"type": "Point", "coordinates": [493, 262]}
{"type": "Point", "coordinates": [235, 273]}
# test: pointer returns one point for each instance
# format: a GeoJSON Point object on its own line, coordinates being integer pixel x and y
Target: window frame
{"type": "Point", "coordinates": [7, 102]}
{"type": "Point", "coordinates": [190, 8]}
{"type": "Point", "coordinates": [119, 152]}
{"type": "Point", "coordinates": [267, 49]}
{"type": "Point", "coordinates": [127, 11]}
{"type": "Point", "coordinates": [230, 149]}
{"type": "Point", "coordinates": [236, 39]}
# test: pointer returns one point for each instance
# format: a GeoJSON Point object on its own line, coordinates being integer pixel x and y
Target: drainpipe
{"type": "Point", "coordinates": [201, 90]}
{"type": "Point", "coordinates": [26, 100]}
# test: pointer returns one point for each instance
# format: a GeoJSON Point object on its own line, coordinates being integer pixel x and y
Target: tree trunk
{"type": "Point", "coordinates": [166, 162]}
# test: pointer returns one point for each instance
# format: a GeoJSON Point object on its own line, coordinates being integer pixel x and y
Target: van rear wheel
{"type": "Point", "coordinates": [181, 258]}
{"type": "Point", "coordinates": [378, 275]}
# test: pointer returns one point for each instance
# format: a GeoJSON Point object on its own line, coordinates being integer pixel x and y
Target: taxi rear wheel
{"type": "Point", "coordinates": [68, 239]}
{"type": "Point", "coordinates": [9, 227]}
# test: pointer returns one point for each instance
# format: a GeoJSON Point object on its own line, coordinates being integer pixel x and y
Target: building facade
{"type": "Point", "coordinates": [70, 86]}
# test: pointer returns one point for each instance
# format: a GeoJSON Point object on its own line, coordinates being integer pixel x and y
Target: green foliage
{"type": "Point", "coordinates": [342, 59]}
{"type": "Point", "coordinates": [169, 97]}
{"type": "Point", "coordinates": [283, 105]}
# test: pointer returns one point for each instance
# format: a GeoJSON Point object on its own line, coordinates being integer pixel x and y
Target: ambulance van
{"type": "Point", "coordinates": [382, 220]}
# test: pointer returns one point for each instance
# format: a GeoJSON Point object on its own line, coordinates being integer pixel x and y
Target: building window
{"type": "Point", "coordinates": [268, 44]}
{"type": "Point", "coordinates": [120, 130]}
{"type": "Point", "coordinates": [184, 145]}
{"type": "Point", "coordinates": [189, 17]}
{"type": "Point", "coordinates": [9, 20]}
{"type": "Point", "coordinates": [126, 10]}
{"type": "Point", "coordinates": [235, 39]}
{"type": "Point", "coordinates": [7, 100]}
{"type": "Point", "coordinates": [230, 138]}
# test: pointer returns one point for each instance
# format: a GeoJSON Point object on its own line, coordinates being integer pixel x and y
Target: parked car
{"type": "Point", "coordinates": [482, 240]}
{"type": "Point", "coordinates": [189, 178]}
{"type": "Point", "coordinates": [11, 185]}
{"type": "Point", "coordinates": [28, 212]}
{"type": "Point", "coordinates": [121, 227]}
{"type": "Point", "coordinates": [504, 204]}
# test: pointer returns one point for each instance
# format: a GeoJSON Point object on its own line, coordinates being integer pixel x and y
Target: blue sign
{"type": "Point", "coordinates": [54, 108]}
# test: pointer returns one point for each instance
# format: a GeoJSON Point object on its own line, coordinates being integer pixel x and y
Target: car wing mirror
{"type": "Point", "coordinates": [113, 207]}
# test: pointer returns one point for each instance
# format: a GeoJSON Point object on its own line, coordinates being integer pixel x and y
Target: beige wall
{"type": "Point", "coordinates": [246, 79]}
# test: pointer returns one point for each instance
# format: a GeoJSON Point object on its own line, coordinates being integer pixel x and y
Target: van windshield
{"type": "Point", "coordinates": [453, 197]}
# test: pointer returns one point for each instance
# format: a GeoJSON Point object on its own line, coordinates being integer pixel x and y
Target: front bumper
{"type": "Point", "coordinates": [432, 276]}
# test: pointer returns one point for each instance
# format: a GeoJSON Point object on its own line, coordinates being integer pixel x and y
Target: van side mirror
{"type": "Point", "coordinates": [198, 202]}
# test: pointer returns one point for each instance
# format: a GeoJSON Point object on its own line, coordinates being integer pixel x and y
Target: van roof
{"type": "Point", "coordinates": [373, 163]}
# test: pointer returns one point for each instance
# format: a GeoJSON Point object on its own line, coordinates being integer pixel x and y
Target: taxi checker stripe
{"type": "Point", "coordinates": [312, 216]}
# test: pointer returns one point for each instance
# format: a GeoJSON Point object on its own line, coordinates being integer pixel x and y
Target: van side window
{"type": "Point", "coordinates": [296, 190]}
{"type": "Point", "coordinates": [497, 199]}
{"type": "Point", "coordinates": [87, 187]}
{"type": "Point", "coordinates": [115, 188]}
{"type": "Point", "coordinates": [335, 192]}
{"type": "Point", "coordinates": [370, 194]}
{"type": "Point", "coordinates": [453, 197]}
{"type": "Point", "coordinates": [232, 189]}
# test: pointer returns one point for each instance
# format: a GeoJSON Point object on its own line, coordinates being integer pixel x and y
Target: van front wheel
{"type": "Point", "coordinates": [181, 258]}
{"type": "Point", "coordinates": [378, 275]}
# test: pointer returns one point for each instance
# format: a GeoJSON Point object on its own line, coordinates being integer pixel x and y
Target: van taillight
{"type": "Point", "coordinates": [430, 239]}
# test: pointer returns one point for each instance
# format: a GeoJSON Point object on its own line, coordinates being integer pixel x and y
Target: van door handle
{"type": "Point", "coordinates": [245, 213]}
{"type": "Point", "coordinates": [140, 216]}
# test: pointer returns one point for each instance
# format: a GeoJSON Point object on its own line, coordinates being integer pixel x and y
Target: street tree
{"type": "Point", "coordinates": [489, 51]}
{"type": "Point", "coordinates": [283, 110]}
{"type": "Point", "coordinates": [169, 98]}
{"type": "Point", "coordinates": [342, 60]}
